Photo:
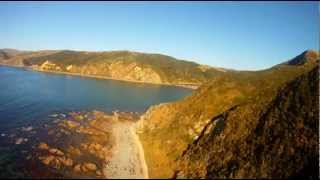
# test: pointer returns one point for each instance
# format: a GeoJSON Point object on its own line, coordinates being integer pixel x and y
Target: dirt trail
{"type": "Point", "coordinates": [128, 156]}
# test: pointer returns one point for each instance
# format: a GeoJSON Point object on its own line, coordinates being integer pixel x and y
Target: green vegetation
{"type": "Point", "coordinates": [170, 129]}
{"type": "Point", "coordinates": [237, 124]}
{"type": "Point", "coordinates": [168, 68]}
{"type": "Point", "coordinates": [261, 138]}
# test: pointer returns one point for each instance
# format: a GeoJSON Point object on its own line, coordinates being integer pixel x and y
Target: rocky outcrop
{"type": "Point", "coordinates": [116, 70]}
{"type": "Point", "coordinates": [49, 66]}
{"type": "Point", "coordinates": [134, 72]}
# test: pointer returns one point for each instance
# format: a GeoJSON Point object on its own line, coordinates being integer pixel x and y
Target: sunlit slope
{"type": "Point", "coordinates": [169, 129]}
{"type": "Point", "coordinates": [153, 68]}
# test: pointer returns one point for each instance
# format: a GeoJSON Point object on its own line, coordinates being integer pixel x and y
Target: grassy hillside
{"type": "Point", "coordinates": [169, 129]}
{"type": "Point", "coordinates": [155, 68]}
{"type": "Point", "coordinates": [15, 57]}
{"type": "Point", "coordinates": [258, 139]}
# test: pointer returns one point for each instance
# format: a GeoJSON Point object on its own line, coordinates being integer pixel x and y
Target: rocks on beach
{"type": "Point", "coordinates": [74, 151]}
{"type": "Point", "coordinates": [89, 166]}
{"type": "Point", "coordinates": [66, 161]}
{"type": "Point", "coordinates": [46, 160]}
{"type": "Point", "coordinates": [86, 167]}
{"type": "Point", "coordinates": [77, 143]}
{"type": "Point", "coordinates": [43, 146]}
{"type": "Point", "coordinates": [77, 168]}
{"type": "Point", "coordinates": [56, 152]}
{"type": "Point", "coordinates": [56, 157]}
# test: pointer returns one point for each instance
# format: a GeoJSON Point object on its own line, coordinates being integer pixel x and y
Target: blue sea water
{"type": "Point", "coordinates": [27, 96]}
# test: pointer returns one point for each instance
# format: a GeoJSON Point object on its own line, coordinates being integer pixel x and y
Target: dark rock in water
{"type": "Point", "coordinates": [53, 115]}
{"type": "Point", "coordinates": [56, 121]}
{"type": "Point", "coordinates": [72, 147]}
{"type": "Point", "coordinates": [19, 141]}
{"type": "Point", "coordinates": [66, 161]}
{"type": "Point", "coordinates": [56, 152]}
{"type": "Point", "coordinates": [47, 159]}
{"type": "Point", "coordinates": [29, 128]}
{"type": "Point", "coordinates": [43, 146]}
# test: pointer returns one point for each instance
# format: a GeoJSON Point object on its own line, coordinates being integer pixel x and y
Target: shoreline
{"type": "Point", "coordinates": [187, 86]}
{"type": "Point", "coordinates": [128, 160]}
{"type": "Point", "coordinates": [78, 144]}
{"type": "Point", "coordinates": [141, 150]}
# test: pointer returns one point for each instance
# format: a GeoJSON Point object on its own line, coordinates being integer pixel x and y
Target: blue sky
{"type": "Point", "coordinates": [238, 35]}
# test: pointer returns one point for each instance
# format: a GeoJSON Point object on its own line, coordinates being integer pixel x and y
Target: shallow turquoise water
{"type": "Point", "coordinates": [27, 96]}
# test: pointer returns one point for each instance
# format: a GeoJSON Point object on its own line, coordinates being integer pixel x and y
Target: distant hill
{"type": "Point", "coordinates": [259, 124]}
{"type": "Point", "coordinates": [8, 53]}
{"type": "Point", "coordinates": [124, 65]}
{"type": "Point", "coordinates": [15, 57]}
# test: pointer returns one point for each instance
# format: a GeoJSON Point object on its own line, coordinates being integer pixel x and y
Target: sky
{"type": "Point", "coordinates": [236, 35]}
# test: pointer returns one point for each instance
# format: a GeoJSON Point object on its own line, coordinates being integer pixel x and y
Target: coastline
{"type": "Point", "coordinates": [77, 144]}
{"type": "Point", "coordinates": [187, 86]}
{"type": "Point", "coordinates": [142, 159]}
{"type": "Point", "coordinates": [128, 159]}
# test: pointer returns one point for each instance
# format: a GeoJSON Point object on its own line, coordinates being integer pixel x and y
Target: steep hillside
{"type": "Point", "coordinates": [170, 130]}
{"type": "Point", "coordinates": [125, 65]}
{"type": "Point", "coordinates": [14, 57]}
{"type": "Point", "coordinates": [257, 139]}
{"type": "Point", "coordinates": [303, 58]}
{"type": "Point", "coordinates": [8, 54]}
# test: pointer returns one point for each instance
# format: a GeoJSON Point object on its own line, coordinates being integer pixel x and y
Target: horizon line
{"type": "Point", "coordinates": [156, 53]}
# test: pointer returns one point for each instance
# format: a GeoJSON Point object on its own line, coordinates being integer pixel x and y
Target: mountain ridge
{"type": "Point", "coordinates": [121, 65]}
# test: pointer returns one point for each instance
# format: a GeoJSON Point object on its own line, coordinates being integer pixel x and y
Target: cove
{"type": "Point", "coordinates": [26, 95]}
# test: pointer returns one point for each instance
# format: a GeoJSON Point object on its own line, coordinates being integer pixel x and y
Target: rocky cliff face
{"type": "Point", "coordinates": [238, 125]}
{"type": "Point", "coordinates": [134, 72]}
{"type": "Point", "coordinates": [116, 70]}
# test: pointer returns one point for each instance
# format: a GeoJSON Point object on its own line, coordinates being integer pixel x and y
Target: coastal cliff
{"type": "Point", "coordinates": [119, 65]}
{"type": "Point", "coordinates": [241, 125]}
{"type": "Point", "coordinates": [237, 124]}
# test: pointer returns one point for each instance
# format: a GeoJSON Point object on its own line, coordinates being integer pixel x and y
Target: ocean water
{"type": "Point", "coordinates": [27, 96]}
